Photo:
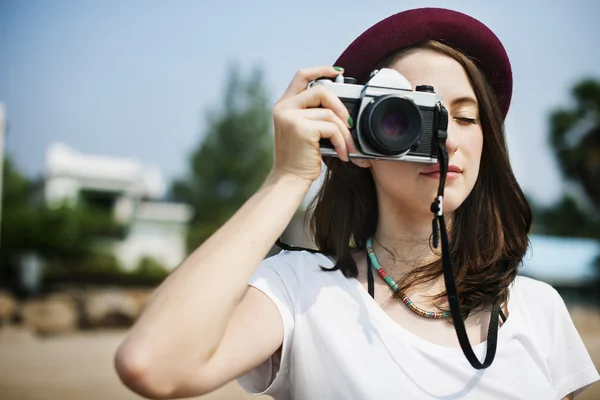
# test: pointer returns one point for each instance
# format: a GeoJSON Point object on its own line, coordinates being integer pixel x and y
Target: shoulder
{"type": "Point", "coordinates": [546, 316]}
{"type": "Point", "coordinates": [529, 286]}
{"type": "Point", "coordinates": [533, 290]}
{"type": "Point", "coordinates": [293, 267]}
{"type": "Point", "coordinates": [537, 299]}
{"type": "Point", "coordinates": [300, 262]}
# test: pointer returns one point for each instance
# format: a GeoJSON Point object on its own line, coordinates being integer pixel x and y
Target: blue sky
{"type": "Point", "coordinates": [133, 78]}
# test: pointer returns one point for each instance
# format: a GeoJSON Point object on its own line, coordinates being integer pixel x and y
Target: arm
{"type": "Point", "coordinates": [568, 397]}
{"type": "Point", "coordinates": [171, 349]}
{"type": "Point", "coordinates": [203, 326]}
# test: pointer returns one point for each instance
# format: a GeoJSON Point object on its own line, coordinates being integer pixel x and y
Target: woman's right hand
{"type": "Point", "coordinates": [304, 116]}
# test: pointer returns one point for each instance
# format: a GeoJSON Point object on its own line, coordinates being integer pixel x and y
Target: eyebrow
{"type": "Point", "coordinates": [463, 100]}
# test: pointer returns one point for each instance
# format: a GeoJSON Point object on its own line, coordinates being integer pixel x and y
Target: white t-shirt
{"type": "Point", "coordinates": [339, 344]}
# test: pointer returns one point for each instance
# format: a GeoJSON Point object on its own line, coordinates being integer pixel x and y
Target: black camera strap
{"type": "Point", "coordinates": [439, 226]}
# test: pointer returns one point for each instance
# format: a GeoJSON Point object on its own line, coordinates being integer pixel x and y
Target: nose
{"type": "Point", "coordinates": [452, 140]}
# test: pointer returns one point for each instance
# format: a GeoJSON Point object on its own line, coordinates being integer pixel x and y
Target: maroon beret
{"type": "Point", "coordinates": [412, 27]}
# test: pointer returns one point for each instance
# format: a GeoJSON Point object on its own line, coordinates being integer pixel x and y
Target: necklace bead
{"type": "Point", "coordinates": [405, 299]}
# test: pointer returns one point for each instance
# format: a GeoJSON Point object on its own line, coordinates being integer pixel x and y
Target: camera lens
{"type": "Point", "coordinates": [392, 124]}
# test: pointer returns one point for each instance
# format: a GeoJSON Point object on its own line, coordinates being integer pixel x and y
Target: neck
{"type": "Point", "coordinates": [402, 241]}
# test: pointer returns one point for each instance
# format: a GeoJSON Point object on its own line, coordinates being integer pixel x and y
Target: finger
{"type": "Point", "coordinates": [304, 76]}
{"type": "Point", "coordinates": [320, 96]}
{"type": "Point", "coordinates": [326, 114]}
{"type": "Point", "coordinates": [329, 130]}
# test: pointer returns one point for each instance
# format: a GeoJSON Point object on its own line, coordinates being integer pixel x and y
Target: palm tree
{"type": "Point", "coordinates": [575, 138]}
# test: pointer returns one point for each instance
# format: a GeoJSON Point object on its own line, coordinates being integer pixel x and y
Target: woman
{"type": "Point", "coordinates": [309, 325]}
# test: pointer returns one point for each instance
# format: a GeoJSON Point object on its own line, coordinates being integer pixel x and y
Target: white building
{"type": "Point", "coordinates": [128, 190]}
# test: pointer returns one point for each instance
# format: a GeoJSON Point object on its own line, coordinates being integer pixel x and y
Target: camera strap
{"type": "Point", "coordinates": [439, 227]}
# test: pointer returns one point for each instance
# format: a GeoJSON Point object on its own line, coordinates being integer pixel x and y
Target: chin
{"type": "Point", "coordinates": [453, 200]}
{"type": "Point", "coordinates": [417, 199]}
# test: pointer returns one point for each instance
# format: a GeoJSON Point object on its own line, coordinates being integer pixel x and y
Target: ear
{"type": "Point", "coordinates": [361, 162]}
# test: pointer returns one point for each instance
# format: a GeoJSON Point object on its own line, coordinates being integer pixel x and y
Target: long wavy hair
{"type": "Point", "coordinates": [489, 230]}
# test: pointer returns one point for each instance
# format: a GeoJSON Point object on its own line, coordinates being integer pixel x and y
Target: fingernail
{"type": "Point", "coordinates": [338, 68]}
{"type": "Point", "coordinates": [350, 121]}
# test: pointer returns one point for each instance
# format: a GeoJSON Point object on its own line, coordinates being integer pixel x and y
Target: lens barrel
{"type": "Point", "coordinates": [391, 124]}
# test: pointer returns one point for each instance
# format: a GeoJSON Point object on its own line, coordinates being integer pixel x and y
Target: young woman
{"type": "Point", "coordinates": [311, 325]}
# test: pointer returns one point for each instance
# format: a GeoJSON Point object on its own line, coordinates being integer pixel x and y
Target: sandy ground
{"type": "Point", "coordinates": [80, 366]}
{"type": "Point", "coordinates": [73, 367]}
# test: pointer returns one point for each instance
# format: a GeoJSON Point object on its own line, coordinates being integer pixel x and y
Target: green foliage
{"type": "Point", "coordinates": [98, 261]}
{"type": "Point", "coordinates": [565, 218]}
{"type": "Point", "coordinates": [575, 139]}
{"type": "Point", "coordinates": [16, 216]}
{"type": "Point", "coordinates": [64, 235]}
{"type": "Point", "coordinates": [579, 158]}
{"type": "Point", "coordinates": [92, 265]}
{"type": "Point", "coordinates": [232, 161]}
{"type": "Point", "coordinates": [103, 268]}
{"type": "Point", "coordinates": [15, 186]}
{"type": "Point", "coordinates": [151, 268]}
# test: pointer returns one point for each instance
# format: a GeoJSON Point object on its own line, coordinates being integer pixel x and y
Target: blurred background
{"type": "Point", "coordinates": [131, 130]}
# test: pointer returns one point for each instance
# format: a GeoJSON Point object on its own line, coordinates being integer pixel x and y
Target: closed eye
{"type": "Point", "coordinates": [466, 121]}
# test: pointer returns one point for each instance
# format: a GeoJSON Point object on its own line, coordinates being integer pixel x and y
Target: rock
{"type": "Point", "coordinates": [103, 308]}
{"type": "Point", "coordinates": [53, 315]}
{"type": "Point", "coordinates": [140, 297]}
{"type": "Point", "coordinates": [8, 307]}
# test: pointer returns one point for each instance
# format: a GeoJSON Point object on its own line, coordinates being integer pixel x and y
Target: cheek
{"type": "Point", "coordinates": [468, 156]}
{"type": "Point", "coordinates": [473, 150]}
{"type": "Point", "coordinates": [470, 152]}
{"type": "Point", "coordinates": [391, 171]}
{"type": "Point", "coordinates": [401, 182]}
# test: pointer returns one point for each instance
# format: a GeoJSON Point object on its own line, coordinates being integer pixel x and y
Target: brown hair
{"type": "Point", "coordinates": [488, 231]}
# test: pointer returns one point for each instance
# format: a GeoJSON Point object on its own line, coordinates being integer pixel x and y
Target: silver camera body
{"type": "Point", "coordinates": [392, 122]}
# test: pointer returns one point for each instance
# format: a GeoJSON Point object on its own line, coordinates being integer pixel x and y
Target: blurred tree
{"type": "Point", "coordinates": [62, 235]}
{"type": "Point", "coordinates": [15, 191]}
{"type": "Point", "coordinates": [232, 161]}
{"type": "Point", "coordinates": [565, 218]}
{"type": "Point", "coordinates": [151, 268]}
{"type": "Point", "coordinates": [575, 139]}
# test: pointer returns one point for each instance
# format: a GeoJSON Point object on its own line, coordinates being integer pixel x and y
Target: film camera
{"type": "Point", "coordinates": [392, 122]}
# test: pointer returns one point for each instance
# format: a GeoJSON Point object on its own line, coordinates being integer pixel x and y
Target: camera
{"type": "Point", "coordinates": [392, 122]}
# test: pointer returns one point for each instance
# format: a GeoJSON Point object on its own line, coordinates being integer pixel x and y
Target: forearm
{"type": "Point", "coordinates": [184, 321]}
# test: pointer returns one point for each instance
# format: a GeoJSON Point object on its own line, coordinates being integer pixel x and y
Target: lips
{"type": "Point", "coordinates": [436, 169]}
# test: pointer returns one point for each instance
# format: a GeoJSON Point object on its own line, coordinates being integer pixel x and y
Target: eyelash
{"type": "Point", "coordinates": [465, 121]}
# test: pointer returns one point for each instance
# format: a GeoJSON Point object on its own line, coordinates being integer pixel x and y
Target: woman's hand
{"type": "Point", "coordinates": [304, 116]}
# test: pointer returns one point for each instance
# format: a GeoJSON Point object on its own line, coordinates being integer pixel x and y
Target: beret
{"type": "Point", "coordinates": [412, 27]}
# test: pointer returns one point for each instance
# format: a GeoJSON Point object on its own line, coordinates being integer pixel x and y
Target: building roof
{"type": "Point", "coordinates": [117, 173]}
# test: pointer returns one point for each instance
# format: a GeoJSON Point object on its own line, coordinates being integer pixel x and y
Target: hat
{"type": "Point", "coordinates": [411, 27]}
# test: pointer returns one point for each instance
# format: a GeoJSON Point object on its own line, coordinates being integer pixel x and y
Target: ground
{"type": "Point", "coordinates": [79, 366]}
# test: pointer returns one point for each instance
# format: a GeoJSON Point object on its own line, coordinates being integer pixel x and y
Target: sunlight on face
{"type": "Point", "coordinates": [408, 187]}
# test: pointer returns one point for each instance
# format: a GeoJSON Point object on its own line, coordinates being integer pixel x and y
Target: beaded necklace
{"type": "Point", "coordinates": [405, 299]}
